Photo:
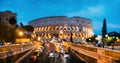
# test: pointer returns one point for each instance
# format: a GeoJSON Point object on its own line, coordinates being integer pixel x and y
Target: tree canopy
{"type": "Point", "coordinates": [12, 21]}
{"type": "Point", "coordinates": [104, 30]}
{"type": "Point", "coordinates": [110, 40]}
{"type": "Point", "coordinates": [21, 24]}
{"type": "Point", "coordinates": [28, 28]}
{"type": "Point", "coordinates": [91, 39]}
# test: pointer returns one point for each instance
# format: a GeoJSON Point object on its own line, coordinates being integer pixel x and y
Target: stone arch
{"type": "Point", "coordinates": [57, 28]}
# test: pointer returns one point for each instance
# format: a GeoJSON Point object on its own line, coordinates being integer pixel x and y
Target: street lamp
{"type": "Point", "coordinates": [20, 33]}
{"type": "Point", "coordinates": [38, 38]}
{"type": "Point", "coordinates": [106, 35]}
{"type": "Point", "coordinates": [83, 39]}
{"type": "Point", "coordinates": [89, 39]}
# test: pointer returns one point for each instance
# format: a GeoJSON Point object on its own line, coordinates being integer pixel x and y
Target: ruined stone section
{"type": "Point", "coordinates": [5, 16]}
{"type": "Point", "coordinates": [61, 27]}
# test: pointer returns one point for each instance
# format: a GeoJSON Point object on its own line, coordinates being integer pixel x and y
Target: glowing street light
{"type": "Point", "coordinates": [20, 33]}
{"type": "Point", "coordinates": [117, 38]}
{"type": "Point", "coordinates": [106, 35]}
{"type": "Point", "coordinates": [38, 38]}
{"type": "Point", "coordinates": [89, 39]}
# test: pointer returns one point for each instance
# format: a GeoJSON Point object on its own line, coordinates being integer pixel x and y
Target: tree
{"type": "Point", "coordinates": [104, 32]}
{"type": "Point", "coordinates": [91, 39]}
{"type": "Point", "coordinates": [21, 24]}
{"type": "Point", "coordinates": [114, 33]}
{"type": "Point", "coordinates": [28, 28]}
{"type": "Point", "coordinates": [111, 41]}
{"type": "Point", "coordinates": [16, 26]}
{"type": "Point", "coordinates": [0, 19]}
{"type": "Point", "coordinates": [7, 33]}
{"type": "Point", "coordinates": [12, 21]}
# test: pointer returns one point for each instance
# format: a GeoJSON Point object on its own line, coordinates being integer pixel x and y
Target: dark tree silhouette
{"type": "Point", "coordinates": [28, 28]}
{"type": "Point", "coordinates": [0, 19]}
{"type": "Point", "coordinates": [16, 26]}
{"type": "Point", "coordinates": [104, 32]}
{"type": "Point", "coordinates": [21, 24]}
{"type": "Point", "coordinates": [114, 33]}
{"type": "Point", "coordinates": [12, 21]}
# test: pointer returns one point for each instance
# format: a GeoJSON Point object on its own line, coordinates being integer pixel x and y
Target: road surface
{"type": "Point", "coordinates": [58, 58]}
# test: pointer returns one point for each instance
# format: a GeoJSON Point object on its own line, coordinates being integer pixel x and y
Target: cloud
{"type": "Point", "coordinates": [88, 12]}
{"type": "Point", "coordinates": [113, 26]}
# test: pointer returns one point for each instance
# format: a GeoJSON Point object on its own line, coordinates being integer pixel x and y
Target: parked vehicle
{"type": "Point", "coordinates": [51, 54]}
{"type": "Point", "coordinates": [2, 43]}
{"type": "Point", "coordinates": [8, 43]}
{"type": "Point", "coordinates": [66, 55]}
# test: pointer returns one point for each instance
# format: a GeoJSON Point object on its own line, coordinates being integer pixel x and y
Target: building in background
{"type": "Point", "coordinates": [61, 27]}
{"type": "Point", "coordinates": [5, 16]}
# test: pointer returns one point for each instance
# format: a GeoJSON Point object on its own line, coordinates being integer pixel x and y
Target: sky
{"type": "Point", "coordinates": [96, 10]}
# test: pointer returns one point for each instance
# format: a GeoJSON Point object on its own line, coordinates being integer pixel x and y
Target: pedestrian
{"type": "Point", "coordinates": [69, 49]}
{"type": "Point", "coordinates": [99, 43]}
{"type": "Point", "coordinates": [34, 58]}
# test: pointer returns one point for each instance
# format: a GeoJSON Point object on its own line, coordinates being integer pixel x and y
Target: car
{"type": "Point", "coordinates": [8, 43]}
{"type": "Point", "coordinates": [26, 43]}
{"type": "Point", "coordinates": [40, 49]}
{"type": "Point", "coordinates": [62, 50]}
{"type": "Point", "coordinates": [37, 53]}
{"type": "Point", "coordinates": [51, 60]}
{"type": "Point", "coordinates": [51, 54]}
{"type": "Point", "coordinates": [2, 43]}
{"type": "Point", "coordinates": [66, 55]}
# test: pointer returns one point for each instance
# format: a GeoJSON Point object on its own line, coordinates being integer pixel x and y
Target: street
{"type": "Point", "coordinates": [51, 55]}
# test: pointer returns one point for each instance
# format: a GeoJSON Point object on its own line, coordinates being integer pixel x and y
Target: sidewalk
{"type": "Point", "coordinates": [107, 47]}
{"type": "Point", "coordinates": [21, 58]}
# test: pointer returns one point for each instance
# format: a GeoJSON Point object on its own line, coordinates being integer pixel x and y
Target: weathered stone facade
{"type": "Point", "coordinates": [62, 27]}
{"type": "Point", "coordinates": [5, 16]}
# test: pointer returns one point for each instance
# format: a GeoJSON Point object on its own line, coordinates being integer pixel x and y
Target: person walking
{"type": "Point", "coordinates": [34, 58]}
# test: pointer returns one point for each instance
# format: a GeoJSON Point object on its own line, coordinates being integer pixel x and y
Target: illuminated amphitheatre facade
{"type": "Point", "coordinates": [62, 27]}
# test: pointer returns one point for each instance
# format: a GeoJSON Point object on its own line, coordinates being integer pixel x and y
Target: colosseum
{"type": "Point", "coordinates": [62, 27]}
